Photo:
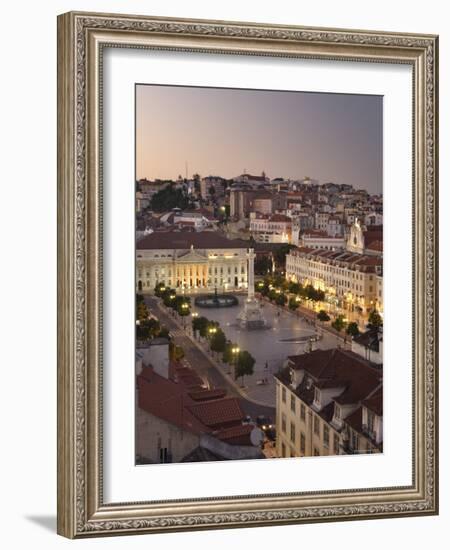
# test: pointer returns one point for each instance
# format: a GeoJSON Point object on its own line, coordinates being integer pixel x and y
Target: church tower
{"type": "Point", "coordinates": [355, 241]}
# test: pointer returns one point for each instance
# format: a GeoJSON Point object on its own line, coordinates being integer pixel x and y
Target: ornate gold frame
{"type": "Point", "coordinates": [81, 37]}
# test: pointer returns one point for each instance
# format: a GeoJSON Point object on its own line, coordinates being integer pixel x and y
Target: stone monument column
{"type": "Point", "coordinates": [251, 274]}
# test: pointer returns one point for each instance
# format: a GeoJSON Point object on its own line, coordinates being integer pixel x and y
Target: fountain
{"type": "Point", "coordinates": [216, 300]}
{"type": "Point", "coordinates": [251, 317]}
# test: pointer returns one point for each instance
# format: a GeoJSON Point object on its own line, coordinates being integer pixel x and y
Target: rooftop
{"type": "Point", "coordinates": [178, 240]}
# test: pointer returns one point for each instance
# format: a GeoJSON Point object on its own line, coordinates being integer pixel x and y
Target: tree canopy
{"type": "Point", "coordinates": [375, 319]}
{"type": "Point", "coordinates": [339, 323]}
{"type": "Point", "coordinates": [244, 365]}
{"type": "Point", "coordinates": [323, 316]}
{"type": "Point", "coordinates": [352, 329]}
{"type": "Point", "coordinates": [169, 198]}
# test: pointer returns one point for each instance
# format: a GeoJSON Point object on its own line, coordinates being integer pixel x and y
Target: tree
{"type": "Point", "coordinates": [244, 365]}
{"type": "Point", "coordinates": [160, 290]}
{"type": "Point", "coordinates": [375, 319]}
{"type": "Point", "coordinates": [141, 311]}
{"type": "Point", "coordinates": [228, 356]}
{"type": "Point", "coordinates": [262, 265]}
{"type": "Point", "coordinates": [314, 294]}
{"type": "Point", "coordinates": [352, 329]}
{"type": "Point", "coordinates": [293, 304]}
{"type": "Point", "coordinates": [279, 255]}
{"type": "Point", "coordinates": [323, 316]}
{"type": "Point", "coordinates": [339, 323]}
{"type": "Point", "coordinates": [272, 295]}
{"type": "Point", "coordinates": [200, 324]}
{"type": "Point", "coordinates": [169, 298]}
{"type": "Point", "coordinates": [293, 288]}
{"type": "Point", "coordinates": [183, 307]}
{"type": "Point", "coordinates": [280, 299]}
{"type": "Point", "coordinates": [169, 198]}
{"type": "Point", "coordinates": [218, 341]}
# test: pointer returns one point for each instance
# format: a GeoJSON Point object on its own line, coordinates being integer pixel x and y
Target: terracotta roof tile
{"type": "Point", "coordinates": [184, 241]}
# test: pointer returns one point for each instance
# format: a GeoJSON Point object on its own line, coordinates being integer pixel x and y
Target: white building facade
{"type": "Point", "coordinates": [190, 262]}
{"type": "Point", "coordinates": [352, 279]}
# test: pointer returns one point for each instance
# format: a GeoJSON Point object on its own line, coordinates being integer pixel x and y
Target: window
{"type": "Point", "coordinates": [354, 441]}
{"type": "Point", "coordinates": [302, 443]}
{"type": "Point", "coordinates": [283, 394]}
{"type": "Point", "coordinates": [326, 435]}
{"type": "Point", "coordinates": [337, 411]}
{"type": "Point", "coordinates": [316, 452]}
{"type": "Point", "coordinates": [163, 455]}
{"type": "Point", "coordinates": [283, 450]}
{"type": "Point", "coordinates": [283, 423]}
{"type": "Point", "coordinates": [336, 444]}
{"type": "Point", "coordinates": [303, 412]}
{"type": "Point", "coordinates": [293, 403]}
{"type": "Point", "coordinates": [316, 425]}
{"type": "Point", "coordinates": [317, 396]}
{"type": "Point", "coordinates": [292, 432]}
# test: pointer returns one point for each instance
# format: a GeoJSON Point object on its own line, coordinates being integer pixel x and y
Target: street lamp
{"type": "Point", "coordinates": [235, 352]}
{"type": "Point", "coordinates": [184, 308]}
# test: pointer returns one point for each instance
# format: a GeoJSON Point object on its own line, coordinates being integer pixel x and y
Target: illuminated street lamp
{"type": "Point", "coordinates": [235, 352]}
{"type": "Point", "coordinates": [194, 314]}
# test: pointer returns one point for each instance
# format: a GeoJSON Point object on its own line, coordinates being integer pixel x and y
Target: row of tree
{"type": "Point", "coordinates": [147, 327]}
{"type": "Point", "coordinates": [352, 329]}
{"type": "Point", "coordinates": [280, 291]}
{"type": "Point", "coordinates": [242, 361]}
{"type": "Point", "coordinates": [277, 290]}
{"type": "Point", "coordinates": [180, 304]}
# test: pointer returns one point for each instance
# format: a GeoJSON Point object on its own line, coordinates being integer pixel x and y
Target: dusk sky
{"type": "Point", "coordinates": [222, 132]}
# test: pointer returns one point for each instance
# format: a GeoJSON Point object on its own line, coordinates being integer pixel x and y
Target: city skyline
{"type": "Point", "coordinates": [224, 132]}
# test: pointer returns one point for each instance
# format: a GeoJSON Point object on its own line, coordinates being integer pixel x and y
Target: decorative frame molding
{"type": "Point", "coordinates": [81, 37]}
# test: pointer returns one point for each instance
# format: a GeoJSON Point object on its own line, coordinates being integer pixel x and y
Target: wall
{"type": "Point", "coordinates": [28, 281]}
{"type": "Point", "coordinates": [155, 433]}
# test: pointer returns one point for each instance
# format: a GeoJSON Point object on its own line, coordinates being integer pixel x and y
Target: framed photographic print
{"type": "Point", "coordinates": [247, 274]}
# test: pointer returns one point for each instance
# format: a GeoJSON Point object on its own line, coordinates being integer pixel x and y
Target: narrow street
{"type": "Point", "coordinates": [202, 364]}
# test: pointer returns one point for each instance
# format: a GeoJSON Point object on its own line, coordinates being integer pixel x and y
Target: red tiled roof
{"type": "Point", "coordinates": [218, 412]}
{"type": "Point", "coordinates": [183, 241]}
{"type": "Point", "coordinates": [204, 395]}
{"type": "Point", "coordinates": [237, 435]}
{"type": "Point", "coordinates": [375, 402]}
{"type": "Point", "coordinates": [354, 420]}
{"type": "Point", "coordinates": [279, 218]}
{"type": "Point", "coordinates": [340, 368]}
{"type": "Point", "coordinates": [165, 399]}
{"type": "Point", "coordinates": [375, 245]}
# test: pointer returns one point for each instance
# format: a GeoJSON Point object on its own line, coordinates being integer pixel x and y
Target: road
{"type": "Point", "coordinates": [202, 364]}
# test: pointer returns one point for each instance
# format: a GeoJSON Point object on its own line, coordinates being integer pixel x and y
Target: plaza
{"type": "Point", "coordinates": [286, 334]}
